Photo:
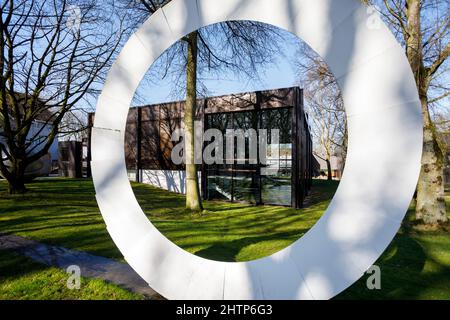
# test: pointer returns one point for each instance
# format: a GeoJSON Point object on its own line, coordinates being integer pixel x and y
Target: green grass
{"type": "Point", "coordinates": [416, 265]}
{"type": "Point", "coordinates": [21, 278]}
{"type": "Point", "coordinates": [232, 232]}
{"type": "Point", "coordinates": [64, 212]}
{"type": "Point", "coordinates": [57, 212]}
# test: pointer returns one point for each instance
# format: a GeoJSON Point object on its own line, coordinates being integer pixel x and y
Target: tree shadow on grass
{"type": "Point", "coordinates": [64, 212]}
{"type": "Point", "coordinates": [403, 274]}
{"type": "Point", "coordinates": [228, 251]}
{"type": "Point", "coordinates": [13, 265]}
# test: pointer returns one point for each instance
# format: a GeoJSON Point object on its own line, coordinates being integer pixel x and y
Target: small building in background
{"type": "Point", "coordinates": [40, 129]}
{"type": "Point", "coordinates": [284, 179]}
{"type": "Point", "coordinates": [337, 167]}
{"type": "Point", "coordinates": [70, 157]}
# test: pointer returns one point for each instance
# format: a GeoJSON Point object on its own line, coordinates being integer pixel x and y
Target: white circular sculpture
{"type": "Point", "coordinates": [382, 167]}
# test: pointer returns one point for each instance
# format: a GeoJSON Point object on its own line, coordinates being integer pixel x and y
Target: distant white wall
{"type": "Point", "coordinates": [41, 136]}
{"type": "Point", "coordinates": [39, 131]}
{"type": "Point", "coordinates": [174, 181]}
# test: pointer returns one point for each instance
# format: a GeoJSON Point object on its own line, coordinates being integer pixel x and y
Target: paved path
{"type": "Point", "coordinates": [121, 274]}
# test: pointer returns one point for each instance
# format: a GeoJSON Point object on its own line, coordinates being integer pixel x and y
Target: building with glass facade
{"type": "Point", "coordinates": [267, 160]}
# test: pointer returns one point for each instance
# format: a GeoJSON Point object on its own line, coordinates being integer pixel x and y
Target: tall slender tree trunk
{"type": "Point", "coordinates": [430, 204]}
{"type": "Point", "coordinates": [193, 199]}
{"type": "Point", "coordinates": [330, 173]}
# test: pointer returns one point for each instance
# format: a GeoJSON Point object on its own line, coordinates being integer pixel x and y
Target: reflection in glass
{"type": "Point", "coordinates": [240, 178]}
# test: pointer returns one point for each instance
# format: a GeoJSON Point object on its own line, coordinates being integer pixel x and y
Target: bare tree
{"type": "Point", "coordinates": [243, 47]}
{"type": "Point", "coordinates": [423, 27]}
{"type": "Point", "coordinates": [324, 104]}
{"type": "Point", "coordinates": [52, 55]}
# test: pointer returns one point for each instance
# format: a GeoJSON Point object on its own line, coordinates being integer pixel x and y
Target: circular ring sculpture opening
{"type": "Point", "coordinates": [382, 167]}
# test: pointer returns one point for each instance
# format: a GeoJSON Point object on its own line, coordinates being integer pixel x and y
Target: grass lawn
{"type": "Point", "coordinates": [21, 278]}
{"type": "Point", "coordinates": [64, 212]}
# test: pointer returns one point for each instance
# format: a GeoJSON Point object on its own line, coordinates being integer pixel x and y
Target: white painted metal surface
{"type": "Point", "coordinates": [382, 168]}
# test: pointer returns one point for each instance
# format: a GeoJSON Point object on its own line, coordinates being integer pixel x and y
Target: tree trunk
{"type": "Point", "coordinates": [17, 186]}
{"type": "Point", "coordinates": [330, 173]}
{"type": "Point", "coordinates": [16, 179]}
{"type": "Point", "coordinates": [430, 203]}
{"type": "Point", "coordinates": [193, 200]}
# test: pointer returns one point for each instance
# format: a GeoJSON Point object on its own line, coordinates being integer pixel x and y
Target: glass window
{"type": "Point", "coordinates": [276, 182]}
{"type": "Point", "coordinates": [245, 180]}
